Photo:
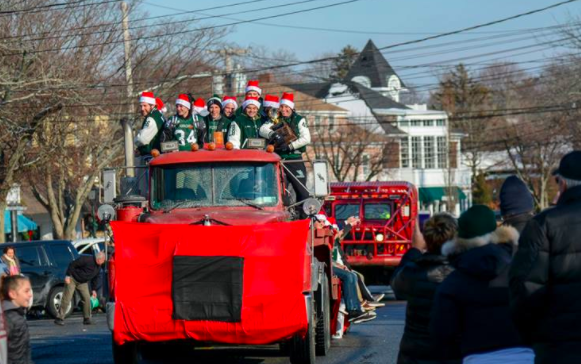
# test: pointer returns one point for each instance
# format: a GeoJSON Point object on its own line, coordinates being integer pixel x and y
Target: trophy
{"type": "Point", "coordinates": [281, 128]}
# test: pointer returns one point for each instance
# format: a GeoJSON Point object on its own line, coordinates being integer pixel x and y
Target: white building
{"type": "Point", "coordinates": [427, 153]}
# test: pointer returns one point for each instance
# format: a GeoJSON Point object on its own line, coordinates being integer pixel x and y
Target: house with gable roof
{"type": "Point", "coordinates": [423, 149]}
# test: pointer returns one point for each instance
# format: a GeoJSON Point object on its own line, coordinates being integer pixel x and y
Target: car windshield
{"type": "Point", "coordinates": [344, 211]}
{"type": "Point", "coordinates": [214, 184]}
{"type": "Point", "coordinates": [377, 211]}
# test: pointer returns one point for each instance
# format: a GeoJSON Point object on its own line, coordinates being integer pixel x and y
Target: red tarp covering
{"type": "Point", "coordinates": [273, 305]}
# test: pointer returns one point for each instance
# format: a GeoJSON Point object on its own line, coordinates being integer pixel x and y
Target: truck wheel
{"type": "Point", "coordinates": [125, 354]}
{"type": "Point", "coordinates": [53, 303]}
{"type": "Point", "coordinates": [323, 330]}
{"type": "Point", "coordinates": [302, 349]}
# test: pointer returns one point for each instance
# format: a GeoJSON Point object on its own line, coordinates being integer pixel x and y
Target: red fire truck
{"type": "Point", "coordinates": [388, 212]}
{"type": "Point", "coordinates": [212, 256]}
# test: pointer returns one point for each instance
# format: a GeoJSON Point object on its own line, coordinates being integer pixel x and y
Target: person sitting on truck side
{"type": "Point", "coordinates": [80, 272]}
{"type": "Point", "coordinates": [246, 125]}
{"type": "Point", "coordinates": [148, 138]}
{"type": "Point", "coordinates": [416, 279]}
{"type": "Point", "coordinates": [229, 106]}
{"type": "Point", "coordinates": [293, 151]}
{"type": "Point", "coordinates": [185, 127]}
{"type": "Point", "coordinates": [215, 121]}
{"type": "Point", "coordinates": [356, 312]}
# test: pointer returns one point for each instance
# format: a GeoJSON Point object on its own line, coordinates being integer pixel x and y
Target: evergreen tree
{"type": "Point", "coordinates": [343, 62]}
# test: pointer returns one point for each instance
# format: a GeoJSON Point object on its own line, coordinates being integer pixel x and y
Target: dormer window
{"type": "Point", "coordinates": [362, 80]}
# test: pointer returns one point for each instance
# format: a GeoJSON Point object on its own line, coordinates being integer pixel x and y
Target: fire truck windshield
{"type": "Point", "coordinates": [214, 184]}
{"type": "Point", "coordinates": [344, 211]}
{"type": "Point", "coordinates": [377, 211]}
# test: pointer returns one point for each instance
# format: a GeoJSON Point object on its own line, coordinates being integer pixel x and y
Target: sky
{"type": "Point", "coordinates": [388, 22]}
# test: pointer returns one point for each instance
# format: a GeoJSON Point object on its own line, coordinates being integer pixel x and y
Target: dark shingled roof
{"type": "Point", "coordinates": [319, 90]}
{"type": "Point", "coordinates": [374, 99]}
{"type": "Point", "coordinates": [372, 64]}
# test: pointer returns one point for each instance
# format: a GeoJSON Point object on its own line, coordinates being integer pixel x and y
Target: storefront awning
{"type": "Point", "coordinates": [431, 194]}
{"type": "Point", "coordinates": [24, 223]}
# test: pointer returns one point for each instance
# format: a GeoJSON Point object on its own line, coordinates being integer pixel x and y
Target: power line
{"type": "Point", "coordinates": [66, 5]}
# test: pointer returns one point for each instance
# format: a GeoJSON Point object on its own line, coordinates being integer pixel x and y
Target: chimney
{"type": "Point", "coordinates": [266, 77]}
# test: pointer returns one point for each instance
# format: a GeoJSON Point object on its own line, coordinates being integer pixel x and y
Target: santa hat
{"type": "Point", "coordinates": [147, 97]}
{"type": "Point", "coordinates": [184, 100]}
{"type": "Point", "coordinates": [250, 101]}
{"type": "Point", "coordinates": [160, 105]}
{"type": "Point", "coordinates": [214, 100]}
{"type": "Point", "coordinates": [229, 100]}
{"type": "Point", "coordinates": [253, 86]}
{"type": "Point", "coordinates": [199, 105]}
{"type": "Point", "coordinates": [271, 101]}
{"type": "Point", "coordinates": [288, 99]}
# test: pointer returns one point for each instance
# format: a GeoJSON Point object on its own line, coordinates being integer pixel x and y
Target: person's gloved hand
{"type": "Point", "coordinates": [276, 139]}
{"type": "Point", "coordinates": [283, 148]}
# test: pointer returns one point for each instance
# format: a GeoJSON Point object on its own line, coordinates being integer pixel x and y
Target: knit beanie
{"type": "Point", "coordinates": [477, 221]}
{"type": "Point", "coordinates": [214, 100]}
{"type": "Point", "coordinates": [515, 197]}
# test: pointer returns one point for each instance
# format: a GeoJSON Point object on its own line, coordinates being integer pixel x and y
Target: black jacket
{"type": "Point", "coordinates": [415, 280]}
{"type": "Point", "coordinates": [518, 221]}
{"type": "Point", "coordinates": [545, 281]}
{"type": "Point", "coordinates": [473, 302]}
{"type": "Point", "coordinates": [18, 338]}
{"type": "Point", "coordinates": [85, 269]}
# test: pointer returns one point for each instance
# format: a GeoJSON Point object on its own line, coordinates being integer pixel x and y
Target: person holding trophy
{"type": "Point", "coordinates": [290, 136]}
{"type": "Point", "coordinates": [216, 123]}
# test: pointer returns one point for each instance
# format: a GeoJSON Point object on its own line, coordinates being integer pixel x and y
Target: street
{"type": "Point", "coordinates": [372, 342]}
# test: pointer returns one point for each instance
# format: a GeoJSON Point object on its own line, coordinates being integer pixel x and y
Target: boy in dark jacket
{"type": "Point", "coordinates": [416, 280]}
{"type": "Point", "coordinates": [16, 295]}
{"type": "Point", "coordinates": [473, 302]}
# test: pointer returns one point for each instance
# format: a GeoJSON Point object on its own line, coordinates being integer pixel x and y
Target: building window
{"type": "Point", "coordinates": [428, 122]}
{"type": "Point", "coordinates": [415, 122]}
{"type": "Point", "coordinates": [442, 149]}
{"type": "Point", "coordinates": [332, 126]}
{"type": "Point", "coordinates": [405, 152]}
{"type": "Point", "coordinates": [417, 152]}
{"type": "Point", "coordinates": [441, 122]}
{"type": "Point", "coordinates": [429, 153]}
{"type": "Point", "coordinates": [404, 123]}
{"type": "Point", "coordinates": [366, 165]}
{"type": "Point", "coordinates": [337, 162]}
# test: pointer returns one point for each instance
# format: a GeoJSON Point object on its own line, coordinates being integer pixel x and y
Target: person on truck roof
{"type": "Point", "coordinates": [269, 106]}
{"type": "Point", "coordinates": [216, 122]}
{"type": "Point", "coordinates": [252, 90]}
{"type": "Point", "coordinates": [185, 127]}
{"type": "Point", "coordinates": [148, 138]}
{"type": "Point", "coordinates": [229, 106]}
{"type": "Point", "coordinates": [294, 150]}
{"type": "Point", "coordinates": [246, 125]}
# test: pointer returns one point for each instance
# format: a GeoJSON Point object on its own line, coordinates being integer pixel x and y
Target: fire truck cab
{"type": "Point", "coordinates": [388, 212]}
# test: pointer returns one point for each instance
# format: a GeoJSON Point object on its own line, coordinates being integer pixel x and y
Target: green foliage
{"type": "Point", "coordinates": [481, 190]}
{"type": "Point", "coordinates": [343, 62]}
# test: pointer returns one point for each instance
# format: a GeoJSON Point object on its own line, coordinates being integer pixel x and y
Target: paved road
{"type": "Point", "coordinates": [372, 342]}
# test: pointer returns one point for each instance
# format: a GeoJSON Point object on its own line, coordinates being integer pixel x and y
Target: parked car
{"type": "Point", "coordinates": [89, 245]}
{"type": "Point", "coordinates": [45, 263]}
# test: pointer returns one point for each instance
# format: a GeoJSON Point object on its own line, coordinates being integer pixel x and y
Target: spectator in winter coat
{"type": "Point", "coordinates": [16, 295]}
{"type": "Point", "coordinates": [472, 304]}
{"type": "Point", "coordinates": [80, 272]}
{"type": "Point", "coordinates": [11, 260]}
{"type": "Point", "coordinates": [516, 203]}
{"type": "Point", "coordinates": [545, 279]}
{"type": "Point", "coordinates": [421, 270]}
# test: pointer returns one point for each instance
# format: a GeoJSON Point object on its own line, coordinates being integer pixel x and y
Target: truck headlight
{"type": "Point", "coordinates": [379, 237]}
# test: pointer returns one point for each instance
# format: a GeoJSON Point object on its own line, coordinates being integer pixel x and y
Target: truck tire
{"type": "Point", "coordinates": [125, 354]}
{"type": "Point", "coordinates": [302, 349]}
{"type": "Point", "coordinates": [323, 329]}
{"type": "Point", "coordinates": [53, 302]}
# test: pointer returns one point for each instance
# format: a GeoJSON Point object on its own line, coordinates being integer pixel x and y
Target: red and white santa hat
{"type": "Point", "coordinates": [147, 97]}
{"type": "Point", "coordinates": [229, 100]}
{"type": "Point", "coordinates": [271, 101]}
{"type": "Point", "coordinates": [184, 100]}
{"type": "Point", "coordinates": [200, 105]}
{"type": "Point", "coordinates": [253, 86]}
{"type": "Point", "coordinates": [160, 105]}
{"type": "Point", "coordinates": [250, 101]}
{"type": "Point", "coordinates": [288, 99]}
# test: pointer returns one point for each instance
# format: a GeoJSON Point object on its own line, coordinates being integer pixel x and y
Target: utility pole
{"type": "Point", "coordinates": [227, 54]}
{"type": "Point", "coordinates": [127, 123]}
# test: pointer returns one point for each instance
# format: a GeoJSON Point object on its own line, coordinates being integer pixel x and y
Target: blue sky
{"type": "Point", "coordinates": [416, 17]}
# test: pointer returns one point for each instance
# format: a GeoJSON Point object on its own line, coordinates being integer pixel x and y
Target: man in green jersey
{"type": "Point", "coordinates": [215, 121]}
{"type": "Point", "coordinates": [184, 126]}
{"type": "Point", "coordinates": [246, 125]}
{"type": "Point", "coordinates": [148, 138]}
